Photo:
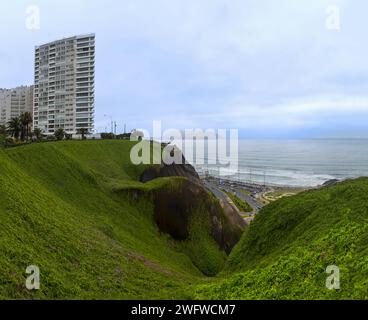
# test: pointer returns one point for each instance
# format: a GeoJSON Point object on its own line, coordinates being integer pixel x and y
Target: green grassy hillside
{"type": "Point", "coordinates": [59, 210]}
{"type": "Point", "coordinates": [77, 210]}
{"type": "Point", "coordinates": [285, 252]}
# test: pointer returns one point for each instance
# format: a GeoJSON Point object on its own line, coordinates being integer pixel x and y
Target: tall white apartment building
{"type": "Point", "coordinates": [64, 85]}
{"type": "Point", "coordinates": [14, 102]}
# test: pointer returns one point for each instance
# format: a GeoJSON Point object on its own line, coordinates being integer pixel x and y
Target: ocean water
{"type": "Point", "coordinates": [304, 163]}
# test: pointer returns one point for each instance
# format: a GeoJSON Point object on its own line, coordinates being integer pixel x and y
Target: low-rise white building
{"type": "Point", "coordinates": [14, 102]}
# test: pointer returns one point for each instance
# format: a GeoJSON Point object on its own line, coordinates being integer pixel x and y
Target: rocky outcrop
{"type": "Point", "coordinates": [331, 182]}
{"type": "Point", "coordinates": [174, 170]}
{"type": "Point", "coordinates": [177, 205]}
{"type": "Point", "coordinates": [175, 208]}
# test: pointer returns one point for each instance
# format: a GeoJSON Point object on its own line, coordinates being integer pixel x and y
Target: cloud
{"type": "Point", "coordinates": [267, 65]}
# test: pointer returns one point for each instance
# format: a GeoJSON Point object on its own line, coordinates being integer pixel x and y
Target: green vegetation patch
{"type": "Point", "coordinates": [242, 205]}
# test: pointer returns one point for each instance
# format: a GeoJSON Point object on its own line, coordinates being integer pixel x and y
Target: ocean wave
{"type": "Point", "coordinates": [272, 177]}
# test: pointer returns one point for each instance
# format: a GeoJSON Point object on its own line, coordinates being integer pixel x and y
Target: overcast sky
{"type": "Point", "coordinates": [269, 68]}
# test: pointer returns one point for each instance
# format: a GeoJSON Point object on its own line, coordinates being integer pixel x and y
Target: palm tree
{"type": "Point", "coordinates": [37, 132]}
{"type": "Point", "coordinates": [83, 132]}
{"type": "Point", "coordinates": [2, 130]}
{"type": "Point", "coordinates": [26, 120]}
{"type": "Point", "coordinates": [14, 127]}
{"type": "Point", "coordinates": [59, 134]}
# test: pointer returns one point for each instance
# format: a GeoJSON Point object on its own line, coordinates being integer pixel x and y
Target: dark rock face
{"type": "Point", "coordinates": [175, 207]}
{"type": "Point", "coordinates": [179, 170]}
{"type": "Point", "coordinates": [227, 235]}
{"type": "Point", "coordinates": [149, 174]}
{"type": "Point", "coordinates": [330, 182]}
{"type": "Point", "coordinates": [173, 211]}
{"type": "Point", "coordinates": [174, 170]}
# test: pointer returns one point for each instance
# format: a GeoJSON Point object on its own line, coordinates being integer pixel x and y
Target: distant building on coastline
{"type": "Point", "coordinates": [64, 85]}
{"type": "Point", "coordinates": [14, 102]}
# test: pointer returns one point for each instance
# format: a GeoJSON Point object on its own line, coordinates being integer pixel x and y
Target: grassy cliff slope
{"type": "Point", "coordinates": [77, 210]}
{"type": "Point", "coordinates": [59, 210]}
{"type": "Point", "coordinates": [285, 252]}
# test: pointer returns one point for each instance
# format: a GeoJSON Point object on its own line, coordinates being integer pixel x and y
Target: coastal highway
{"type": "Point", "coordinates": [238, 192]}
{"type": "Point", "coordinates": [251, 201]}
{"type": "Point", "coordinates": [217, 192]}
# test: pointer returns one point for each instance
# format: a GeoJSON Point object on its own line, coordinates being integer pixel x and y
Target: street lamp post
{"type": "Point", "coordinates": [112, 122]}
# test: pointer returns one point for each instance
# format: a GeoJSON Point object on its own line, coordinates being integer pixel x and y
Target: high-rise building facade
{"type": "Point", "coordinates": [64, 85]}
{"type": "Point", "coordinates": [14, 102]}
